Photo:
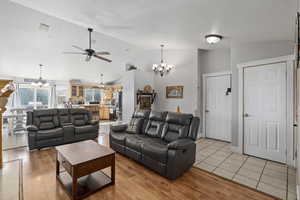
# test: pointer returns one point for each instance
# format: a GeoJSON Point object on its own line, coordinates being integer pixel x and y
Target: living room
{"type": "Point", "coordinates": [92, 68]}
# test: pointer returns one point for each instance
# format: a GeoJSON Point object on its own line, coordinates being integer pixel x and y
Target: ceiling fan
{"type": "Point", "coordinates": [89, 53]}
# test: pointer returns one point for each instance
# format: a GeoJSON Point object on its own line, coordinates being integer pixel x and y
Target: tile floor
{"type": "Point", "coordinates": [266, 176]}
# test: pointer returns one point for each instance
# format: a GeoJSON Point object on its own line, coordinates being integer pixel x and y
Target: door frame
{"type": "Point", "coordinates": [204, 76]}
{"type": "Point", "coordinates": [289, 60]}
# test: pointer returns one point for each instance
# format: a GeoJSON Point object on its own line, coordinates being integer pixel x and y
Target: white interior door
{"type": "Point", "coordinates": [217, 107]}
{"type": "Point", "coordinates": [265, 111]}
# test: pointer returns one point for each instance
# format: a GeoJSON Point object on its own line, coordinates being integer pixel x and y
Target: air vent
{"type": "Point", "coordinates": [130, 67]}
{"type": "Point", "coordinates": [44, 27]}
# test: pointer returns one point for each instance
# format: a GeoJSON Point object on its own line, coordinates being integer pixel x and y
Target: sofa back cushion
{"type": "Point", "coordinates": [64, 116]}
{"type": "Point", "coordinates": [45, 119]}
{"type": "Point", "coordinates": [155, 124]}
{"type": "Point", "coordinates": [177, 126]}
{"type": "Point", "coordinates": [135, 125]}
{"type": "Point", "coordinates": [80, 117]}
{"type": "Point", "coordinates": [137, 122]}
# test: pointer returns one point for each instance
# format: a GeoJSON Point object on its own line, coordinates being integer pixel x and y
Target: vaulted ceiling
{"type": "Point", "coordinates": [180, 24]}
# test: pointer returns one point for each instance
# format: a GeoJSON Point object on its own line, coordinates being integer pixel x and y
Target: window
{"type": "Point", "coordinates": [61, 95]}
{"type": "Point", "coordinates": [92, 95]}
{"type": "Point", "coordinates": [32, 97]}
{"type": "Point", "coordinates": [89, 95]}
{"type": "Point", "coordinates": [42, 96]}
{"type": "Point", "coordinates": [26, 96]}
{"type": "Point", "coordinates": [97, 95]}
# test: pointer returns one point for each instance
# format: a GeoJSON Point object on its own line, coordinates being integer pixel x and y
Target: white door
{"type": "Point", "coordinates": [265, 111]}
{"type": "Point", "coordinates": [218, 107]}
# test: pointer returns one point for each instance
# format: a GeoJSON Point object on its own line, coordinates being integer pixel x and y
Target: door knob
{"type": "Point", "coordinates": [246, 115]}
{"type": "Point", "coordinates": [207, 111]}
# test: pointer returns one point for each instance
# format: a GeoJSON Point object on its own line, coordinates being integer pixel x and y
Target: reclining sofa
{"type": "Point", "coordinates": [161, 141]}
{"type": "Point", "coordinates": [51, 127]}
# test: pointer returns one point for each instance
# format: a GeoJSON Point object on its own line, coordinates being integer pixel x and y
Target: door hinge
{"type": "Point", "coordinates": [296, 154]}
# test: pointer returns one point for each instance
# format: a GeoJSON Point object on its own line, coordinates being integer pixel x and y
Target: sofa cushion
{"type": "Point", "coordinates": [134, 142]}
{"type": "Point", "coordinates": [156, 149]}
{"type": "Point", "coordinates": [85, 129]}
{"type": "Point", "coordinates": [176, 126]}
{"type": "Point", "coordinates": [172, 132]}
{"type": "Point", "coordinates": [118, 137]}
{"type": "Point", "coordinates": [154, 128]}
{"type": "Point", "coordinates": [79, 120]}
{"type": "Point", "coordinates": [135, 126]}
{"type": "Point", "coordinates": [80, 117]}
{"type": "Point", "coordinates": [48, 134]}
{"type": "Point", "coordinates": [179, 118]}
{"type": "Point", "coordinates": [64, 116]}
{"type": "Point", "coordinates": [45, 120]}
{"type": "Point", "coordinates": [157, 116]}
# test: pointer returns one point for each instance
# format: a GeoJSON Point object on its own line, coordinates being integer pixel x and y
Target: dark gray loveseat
{"type": "Point", "coordinates": [162, 141]}
{"type": "Point", "coordinates": [50, 127]}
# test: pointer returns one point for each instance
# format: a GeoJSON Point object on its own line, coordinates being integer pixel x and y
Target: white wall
{"type": "Point", "coordinates": [217, 60]}
{"type": "Point", "coordinates": [249, 52]}
{"type": "Point", "coordinates": [184, 73]}
{"type": "Point", "coordinates": [128, 98]}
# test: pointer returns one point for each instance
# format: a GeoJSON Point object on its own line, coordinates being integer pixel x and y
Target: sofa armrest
{"type": "Point", "coordinates": [32, 128]}
{"type": "Point", "coordinates": [119, 127]}
{"type": "Point", "coordinates": [180, 144]}
{"type": "Point", "coordinates": [94, 122]}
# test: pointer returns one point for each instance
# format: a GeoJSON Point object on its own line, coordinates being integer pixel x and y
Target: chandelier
{"type": "Point", "coordinates": [40, 82]}
{"type": "Point", "coordinates": [162, 68]}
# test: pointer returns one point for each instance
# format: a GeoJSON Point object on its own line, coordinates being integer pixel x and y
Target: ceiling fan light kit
{"type": "Point", "coordinates": [89, 53]}
{"type": "Point", "coordinates": [162, 68]}
{"type": "Point", "coordinates": [213, 38]}
{"type": "Point", "coordinates": [40, 82]}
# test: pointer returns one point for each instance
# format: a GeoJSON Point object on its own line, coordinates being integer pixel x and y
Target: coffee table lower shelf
{"type": "Point", "coordinates": [86, 185]}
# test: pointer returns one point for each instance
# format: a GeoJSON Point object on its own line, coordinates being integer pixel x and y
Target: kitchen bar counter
{"type": "Point", "coordinates": [99, 111]}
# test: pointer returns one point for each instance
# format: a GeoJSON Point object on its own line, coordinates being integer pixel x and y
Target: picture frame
{"type": "Point", "coordinates": [174, 92]}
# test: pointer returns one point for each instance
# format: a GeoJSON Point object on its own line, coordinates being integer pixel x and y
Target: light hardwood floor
{"type": "Point", "coordinates": [133, 181]}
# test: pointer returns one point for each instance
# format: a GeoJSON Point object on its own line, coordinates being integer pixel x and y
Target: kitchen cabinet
{"type": "Point", "coordinates": [104, 113]}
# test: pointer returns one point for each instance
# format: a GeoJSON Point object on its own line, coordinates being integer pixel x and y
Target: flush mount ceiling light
{"type": "Point", "coordinates": [213, 38]}
{"type": "Point", "coordinates": [40, 82]}
{"type": "Point", "coordinates": [162, 68]}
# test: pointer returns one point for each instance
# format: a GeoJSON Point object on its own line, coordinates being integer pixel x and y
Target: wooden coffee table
{"type": "Point", "coordinates": [83, 162]}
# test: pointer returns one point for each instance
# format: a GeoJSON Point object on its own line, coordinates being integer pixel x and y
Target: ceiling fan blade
{"type": "Point", "coordinates": [102, 58]}
{"type": "Point", "coordinates": [74, 53]}
{"type": "Point", "coordinates": [88, 58]}
{"type": "Point", "coordinates": [77, 47]}
{"type": "Point", "coordinates": [103, 53]}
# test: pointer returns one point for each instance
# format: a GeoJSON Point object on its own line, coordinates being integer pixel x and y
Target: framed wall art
{"type": "Point", "coordinates": [175, 92]}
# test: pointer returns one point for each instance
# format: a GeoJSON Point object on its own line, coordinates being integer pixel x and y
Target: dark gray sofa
{"type": "Point", "coordinates": [51, 127]}
{"type": "Point", "coordinates": [162, 141]}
